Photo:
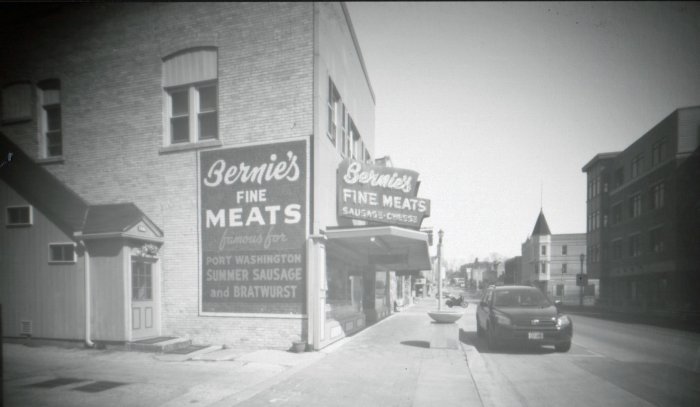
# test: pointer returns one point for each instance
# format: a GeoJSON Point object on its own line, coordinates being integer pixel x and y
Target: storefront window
{"type": "Point", "coordinates": [380, 298]}
{"type": "Point", "coordinates": [344, 296]}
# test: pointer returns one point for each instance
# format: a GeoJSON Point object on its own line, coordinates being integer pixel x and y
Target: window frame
{"type": "Point", "coordinates": [635, 245]}
{"type": "Point", "coordinates": [45, 132]}
{"type": "Point", "coordinates": [616, 249]}
{"type": "Point", "coordinates": [54, 261]}
{"type": "Point", "coordinates": [333, 104]}
{"type": "Point", "coordinates": [9, 224]}
{"type": "Point", "coordinates": [146, 278]}
{"type": "Point", "coordinates": [194, 112]}
{"type": "Point", "coordinates": [656, 240]}
{"type": "Point", "coordinates": [657, 196]}
{"type": "Point", "coordinates": [658, 152]}
{"type": "Point", "coordinates": [635, 202]}
{"type": "Point", "coordinates": [619, 177]}
{"type": "Point", "coordinates": [636, 165]}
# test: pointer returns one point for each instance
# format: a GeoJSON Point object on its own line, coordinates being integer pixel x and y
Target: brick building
{"type": "Point", "coordinates": [642, 215]}
{"type": "Point", "coordinates": [180, 161]}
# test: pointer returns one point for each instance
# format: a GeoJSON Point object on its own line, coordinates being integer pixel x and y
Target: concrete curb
{"type": "Point", "coordinates": [474, 362]}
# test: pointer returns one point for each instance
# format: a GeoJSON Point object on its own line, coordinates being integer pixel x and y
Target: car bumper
{"type": "Point", "coordinates": [533, 335]}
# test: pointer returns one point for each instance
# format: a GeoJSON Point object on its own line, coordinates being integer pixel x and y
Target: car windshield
{"type": "Point", "coordinates": [520, 298]}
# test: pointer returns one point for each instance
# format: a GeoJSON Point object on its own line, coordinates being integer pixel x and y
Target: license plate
{"type": "Point", "coordinates": [535, 335]}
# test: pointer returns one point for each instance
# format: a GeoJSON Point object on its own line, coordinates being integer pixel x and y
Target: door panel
{"type": "Point", "coordinates": [143, 301]}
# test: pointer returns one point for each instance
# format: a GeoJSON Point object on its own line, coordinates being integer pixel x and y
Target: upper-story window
{"type": "Point", "coordinates": [62, 252]}
{"type": "Point", "coordinates": [344, 136]}
{"type": "Point", "coordinates": [18, 216]}
{"type": "Point", "coordinates": [656, 240]}
{"type": "Point", "coordinates": [51, 135]}
{"type": "Point", "coordinates": [619, 177]}
{"type": "Point", "coordinates": [658, 152]}
{"type": "Point", "coordinates": [635, 205]}
{"type": "Point", "coordinates": [637, 165]}
{"type": "Point", "coordinates": [191, 96]}
{"type": "Point", "coordinates": [617, 213]}
{"type": "Point", "coordinates": [657, 196]}
{"type": "Point", "coordinates": [635, 246]}
{"type": "Point", "coordinates": [334, 108]}
{"type": "Point", "coordinates": [544, 250]}
{"type": "Point", "coordinates": [564, 250]}
{"type": "Point", "coordinates": [356, 145]}
{"type": "Point", "coordinates": [616, 252]}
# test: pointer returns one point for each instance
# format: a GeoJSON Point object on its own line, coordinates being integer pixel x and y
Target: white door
{"type": "Point", "coordinates": [143, 302]}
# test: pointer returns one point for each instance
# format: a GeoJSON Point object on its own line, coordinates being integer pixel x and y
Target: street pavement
{"type": "Point", "coordinates": [404, 360]}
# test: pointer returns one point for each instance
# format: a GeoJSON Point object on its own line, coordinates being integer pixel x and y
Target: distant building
{"type": "Point", "coordinates": [551, 263]}
{"type": "Point", "coordinates": [513, 271]}
{"type": "Point", "coordinates": [644, 216]}
{"type": "Point", "coordinates": [481, 274]}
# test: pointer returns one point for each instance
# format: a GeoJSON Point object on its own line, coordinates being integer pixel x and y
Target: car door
{"type": "Point", "coordinates": [483, 309]}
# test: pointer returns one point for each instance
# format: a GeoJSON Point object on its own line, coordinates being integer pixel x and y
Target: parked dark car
{"type": "Point", "coordinates": [522, 315]}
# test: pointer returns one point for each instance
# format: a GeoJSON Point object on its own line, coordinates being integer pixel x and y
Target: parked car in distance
{"type": "Point", "coordinates": [522, 315]}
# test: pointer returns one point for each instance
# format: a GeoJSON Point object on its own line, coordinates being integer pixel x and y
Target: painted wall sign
{"type": "Point", "coordinates": [253, 221]}
{"type": "Point", "coordinates": [380, 194]}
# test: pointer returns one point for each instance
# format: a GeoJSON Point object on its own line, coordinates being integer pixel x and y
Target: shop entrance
{"type": "Point", "coordinates": [143, 302]}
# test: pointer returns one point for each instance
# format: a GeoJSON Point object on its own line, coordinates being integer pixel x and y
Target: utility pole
{"type": "Point", "coordinates": [580, 298]}
{"type": "Point", "coordinates": [439, 269]}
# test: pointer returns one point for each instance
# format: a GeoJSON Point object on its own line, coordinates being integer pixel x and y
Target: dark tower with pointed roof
{"type": "Point", "coordinates": [541, 227]}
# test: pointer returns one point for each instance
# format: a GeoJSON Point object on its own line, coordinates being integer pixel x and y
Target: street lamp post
{"type": "Point", "coordinates": [580, 298]}
{"type": "Point", "coordinates": [439, 269]}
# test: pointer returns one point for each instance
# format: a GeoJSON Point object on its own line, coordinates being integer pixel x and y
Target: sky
{"type": "Point", "coordinates": [499, 105]}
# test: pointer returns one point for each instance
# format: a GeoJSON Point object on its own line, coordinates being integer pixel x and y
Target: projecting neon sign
{"type": "Point", "coordinates": [380, 194]}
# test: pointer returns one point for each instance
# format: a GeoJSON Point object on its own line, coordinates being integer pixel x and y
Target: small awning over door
{"type": "Point", "coordinates": [384, 247]}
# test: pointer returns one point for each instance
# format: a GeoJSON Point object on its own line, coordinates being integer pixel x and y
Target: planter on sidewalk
{"type": "Point", "coordinates": [299, 347]}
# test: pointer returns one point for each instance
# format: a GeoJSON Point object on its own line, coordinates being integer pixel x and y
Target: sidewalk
{"type": "Point", "coordinates": [404, 360]}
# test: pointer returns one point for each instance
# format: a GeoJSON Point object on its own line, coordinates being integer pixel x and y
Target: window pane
{"type": "Point", "coordinates": [180, 102]}
{"type": "Point", "coordinates": [62, 252]}
{"type": "Point", "coordinates": [56, 253]}
{"type": "Point", "coordinates": [51, 96]}
{"type": "Point", "coordinates": [53, 117]}
{"type": "Point", "coordinates": [141, 289]}
{"type": "Point", "coordinates": [67, 253]}
{"type": "Point", "coordinates": [18, 215]}
{"type": "Point", "coordinates": [207, 126]}
{"type": "Point", "coordinates": [54, 144]}
{"type": "Point", "coordinates": [180, 129]}
{"type": "Point", "coordinates": [207, 99]}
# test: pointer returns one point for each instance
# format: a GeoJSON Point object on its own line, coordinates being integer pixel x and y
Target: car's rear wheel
{"type": "Point", "coordinates": [563, 347]}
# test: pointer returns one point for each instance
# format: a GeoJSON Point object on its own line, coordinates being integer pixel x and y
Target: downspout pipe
{"type": "Point", "coordinates": [86, 257]}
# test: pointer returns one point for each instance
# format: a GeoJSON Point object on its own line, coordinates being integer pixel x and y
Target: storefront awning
{"type": "Point", "coordinates": [384, 247]}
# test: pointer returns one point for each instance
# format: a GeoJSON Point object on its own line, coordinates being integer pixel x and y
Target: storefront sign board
{"type": "Point", "coordinates": [253, 225]}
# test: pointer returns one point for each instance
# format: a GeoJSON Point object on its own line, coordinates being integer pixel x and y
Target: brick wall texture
{"type": "Point", "coordinates": [109, 59]}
